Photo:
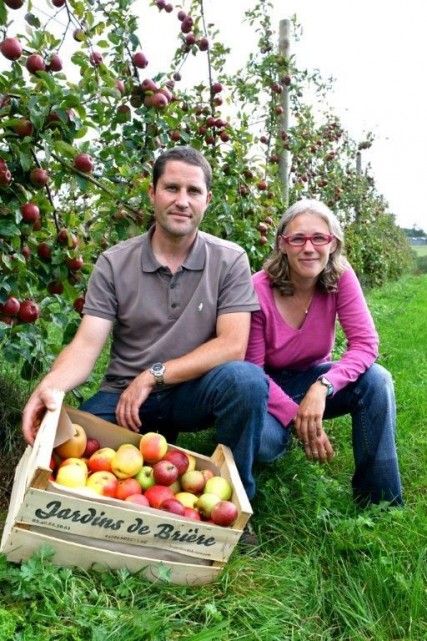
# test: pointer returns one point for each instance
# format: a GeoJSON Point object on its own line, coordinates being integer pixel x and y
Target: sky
{"type": "Point", "coordinates": [374, 50]}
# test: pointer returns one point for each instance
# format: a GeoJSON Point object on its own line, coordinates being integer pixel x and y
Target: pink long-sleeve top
{"type": "Point", "coordinates": [274, 344]}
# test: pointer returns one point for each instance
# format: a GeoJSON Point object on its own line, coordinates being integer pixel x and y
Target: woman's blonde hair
{"type": "Point", "coordinates": [277, 265]}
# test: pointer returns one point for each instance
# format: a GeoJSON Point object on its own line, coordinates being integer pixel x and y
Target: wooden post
{"type": "Point", "coordinates": [284, 50]}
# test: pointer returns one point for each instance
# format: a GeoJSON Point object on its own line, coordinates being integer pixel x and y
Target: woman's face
{"type": "Point", "coordinates": [307, 261]}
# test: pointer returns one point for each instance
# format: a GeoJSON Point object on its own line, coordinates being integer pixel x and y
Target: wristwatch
{"type": "Point", "coordinates": [324, 381]}
{"type": "Point", "coordinates": [158, 371]}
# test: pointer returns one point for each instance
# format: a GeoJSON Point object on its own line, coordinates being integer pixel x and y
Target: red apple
{"type": "Point", "coordinates": [149, 85]}
{"type": "Point", "coordinates": [120, 85]}
{"type": "Point", "coordinates": [30, 212]}
{"type": "Point", "coordinates": [44, 251]}
{"type": "Point", "coordinates": [138, 499]}
{"type": "Point", "coordinates": [139, 60]}
{"type": "Point", "coordinates": [153, 447]}
{"type": "Point", "coordinates": [191, 513]}
{"type": "Point", "coordinates": [159, 101]}
{"type": "Point", "coordinates": [29, 311]}
{"type": "Point", "coordinates": [55, 287]}
{"type": "Point", "coordinates": [95, 58]}
{"type": "Point", "coordinates": [179, 459]}
{"type": "Point", "coordinates": [92, 446]}
{"type": "Point", "coordinates": [103, 483]}
{"type": "Point", "coordinates": [58, 3]}
{"type": "Point", "coordinates": [173, 505]}
{"type": "Point", "coordinates": [35, 63]}
{"type": "Point", "coordinates": [11, 48]}
{"type": "Point", "coordinates": [11, 306]}
{"type": "Point", "coordinates": [39, 177]}
{"type": "Point", "coordinates": [101, 460]}
{"type": "Point", "coordinates": [55, 63]}
{"type": "Point", "coordinates": [224, 513]}
{"type": "Point", "coordinates": [78, 304]}
{"type": "Point", "coordinates": [84, 163]}
{"type": "Point", "coordinates": [14, 4]}
{"type": "Point", "coordinates": [156, 494]}
{"type": "Point", "coordinates": [75, 263]}
{"type": "Point", "coordinates": [217, 87]}
{"type": "Point", "coordinates": [165, 473]}
{"type": "Point", "coordinates": [128, 487]}
{"type": "Point", "coordinates": [193, 481]}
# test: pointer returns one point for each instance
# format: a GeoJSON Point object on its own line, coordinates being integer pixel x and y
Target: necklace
{"type": "Point", "coordinates": [304, 305]}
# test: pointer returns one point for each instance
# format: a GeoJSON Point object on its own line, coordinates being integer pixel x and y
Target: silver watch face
{"type": "Point", "coordinates": [157, 370]}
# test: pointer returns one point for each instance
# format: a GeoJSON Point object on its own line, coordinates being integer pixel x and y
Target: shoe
{"type": "Point", "coordinates": [248, 538]}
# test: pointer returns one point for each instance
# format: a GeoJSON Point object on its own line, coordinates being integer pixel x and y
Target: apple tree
{"type": "Point", "coordinates": [82, 119]}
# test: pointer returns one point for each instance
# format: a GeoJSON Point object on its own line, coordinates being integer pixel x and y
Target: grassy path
{"type": "Point", "coordinates": [324, 571]}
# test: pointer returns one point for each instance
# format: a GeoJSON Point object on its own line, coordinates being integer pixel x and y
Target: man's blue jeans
{"type": "Point", "coordinates": [370, 402]}
{"type": "Point", "coordinates": [232, 396]}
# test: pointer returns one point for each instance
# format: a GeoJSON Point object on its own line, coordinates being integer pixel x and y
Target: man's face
{"type": "Point", "coordinates": [180, 199]}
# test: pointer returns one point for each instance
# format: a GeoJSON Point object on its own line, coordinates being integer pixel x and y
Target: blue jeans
{"type": "Point", "coordinates": [370, 402]}
{"type": "Point", "coordinates": [233, 396]}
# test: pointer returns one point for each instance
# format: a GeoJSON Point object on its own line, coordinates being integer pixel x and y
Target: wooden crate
{"type": "Point", "coordinates": [87, 531]}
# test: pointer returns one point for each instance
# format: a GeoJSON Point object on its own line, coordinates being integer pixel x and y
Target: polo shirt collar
{"type": "Point", "coordinates": [195, 260]}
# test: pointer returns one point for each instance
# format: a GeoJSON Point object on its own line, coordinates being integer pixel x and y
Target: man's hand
{"type": "Point", "coordinates": [127, 411]}
{"type": "Point", "coordinates": [40, 401]}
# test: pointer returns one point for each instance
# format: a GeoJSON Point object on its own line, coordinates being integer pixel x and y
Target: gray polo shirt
{"type": "Point", "coordinates": [158, 315]}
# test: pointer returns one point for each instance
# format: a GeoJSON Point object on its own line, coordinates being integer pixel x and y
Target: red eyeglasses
{"type": "Point", "coordinates": [299, 240]}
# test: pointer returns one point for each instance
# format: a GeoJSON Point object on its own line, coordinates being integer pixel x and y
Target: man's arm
{"type": "Point", "coordinates": [232, 333]}
{"type": "Point", "coordinates": [72, 367]}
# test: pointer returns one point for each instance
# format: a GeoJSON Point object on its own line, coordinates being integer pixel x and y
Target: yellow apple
{"type": "Point", "coordinates": [71, 476]}
{"type": "Point", "coordinates": [192, 463]}
{"type": "Point", "coordinates": [75, 461]}
{"type": "Point", "coordinates": [127, 461]}
{"type": "Point", "coordinates": [75, 445]}
{"type": "Point", "coordinates": [187, 499]}
{"type": "Point", "coordinates": [220, 486]}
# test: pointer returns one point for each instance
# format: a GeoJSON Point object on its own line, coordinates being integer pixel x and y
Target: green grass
{"type": "Point", "coordinates": [325, 571]}
{"type": "Point", "coordinates": [420, 250]}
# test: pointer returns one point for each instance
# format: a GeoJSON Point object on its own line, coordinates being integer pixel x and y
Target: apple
{"type": "Point", "coordinates": [145, 477]}
{"type": "Point", "coordinates": [74, 263]}
{"type": "Point", "coordinates": [55, 63]}
{"type": "Point", "coordinates": [220, 486]}
{"type": "Point", "coordinates": [128, 487]}
{"type": "Point", "coordinates": [65, 238]}
{"type": "Point", "coordinates": [120, 85]}
{"type": "Point", "coordinates": [44, 251]}
{"type": "Point", "coordinates": [23, 127]}
{"type": "Point", "coordinates": [193, 481]}
{"type": "Point", "coordinates": [95, 58]}
{"type": "Point", "coordinates": [5, 176]}
{"type": "Point", "coordinates": [11, 306]}
{"type": "Point", "coordinates": [224, 513]}
{"type": "Point", "coordinates": [149, 85]}
{"type": "Point", "coordinates": [55, 287]}
{"type": "Point", "coordinates": [72, 460]}
{"type": "Point", "coordinates": [28, 311]}
{"type": "Point", "coordinates": [139, 60]}
{"type": "Point", "coordinates": [58, 3]}
{"type": "Point", "coordinates": [153, 446]}
{"type": "Point", "coordinates": [71, 476]}
{"type": "Point", "coordinates": [84, 163]}
{"type": "Point", "coordinates": [75, 445]}
{"type": "Point", "coordinates": [203, 44]}
{"type": "Point", "coordinates": [156, 494]}
{"type": "Point", "coordinates": [39, 177]}
{"type": "Point", "coordinates": [179, 459]}
{"type": "Point", "coordinates": [173, 505]}
{"type": "Point", "coordinates": [165, 472]}
{"type": "Point", "coordinates": [139, 499]}
{"type": "Point", "coordinates": [35, 63]}
{"type": "Point", "coordinates": [92, 446]}
{"type": "Point", "coordinates": [193, 462]}
{"type": "Point", "coordinates": [14, 4]}
{"type": "Point", "coordinates": [187, 499]}
{"type": "Point", "coordinates": [159, 101]}
{"type": "Point", "coordinates": [191, 513]}
{"type": "Point", "coordinates": [78, 35]}
{"type": "Point", "coordinates": [205, 503]}
{"type": "Point", "coordinates": [11, 48]}
{"type": "Point", "coordinates": [78, 304]}
{"type": "Point", "coordinates": [30, 212]}
{"type": "Point", "coordinates": [103, 483]}
{"type": "Point", "coordinates": [101, 460]}
{"type": "Point", "coordinates": [216, 87]}
{"type": "Point", "coordinates": [207, 474]}
{"type": "Point", "coordinates": [127, 461]}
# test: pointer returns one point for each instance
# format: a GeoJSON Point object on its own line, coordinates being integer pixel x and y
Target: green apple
{"type": "Point", "coordinates": [220, 486]}
{"type": "Point", "coordinates": [145, 477]}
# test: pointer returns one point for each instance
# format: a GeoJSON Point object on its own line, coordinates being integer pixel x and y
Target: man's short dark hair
{"type": "Point", "coordinates": [183, 154]}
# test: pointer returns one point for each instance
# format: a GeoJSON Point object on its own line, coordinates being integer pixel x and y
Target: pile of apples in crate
{"type": "Point", "coordinates": [150, 475]}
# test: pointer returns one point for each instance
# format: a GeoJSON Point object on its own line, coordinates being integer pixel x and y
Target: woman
{"type": "Point", "coordinates": [303, 288]}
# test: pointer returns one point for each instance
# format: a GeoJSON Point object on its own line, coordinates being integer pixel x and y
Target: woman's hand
{"type": "Point", "coordinates": [308, 424]}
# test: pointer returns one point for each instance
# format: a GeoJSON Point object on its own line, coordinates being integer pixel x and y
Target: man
{"type": "Point", "coordinates": [178, 302]}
